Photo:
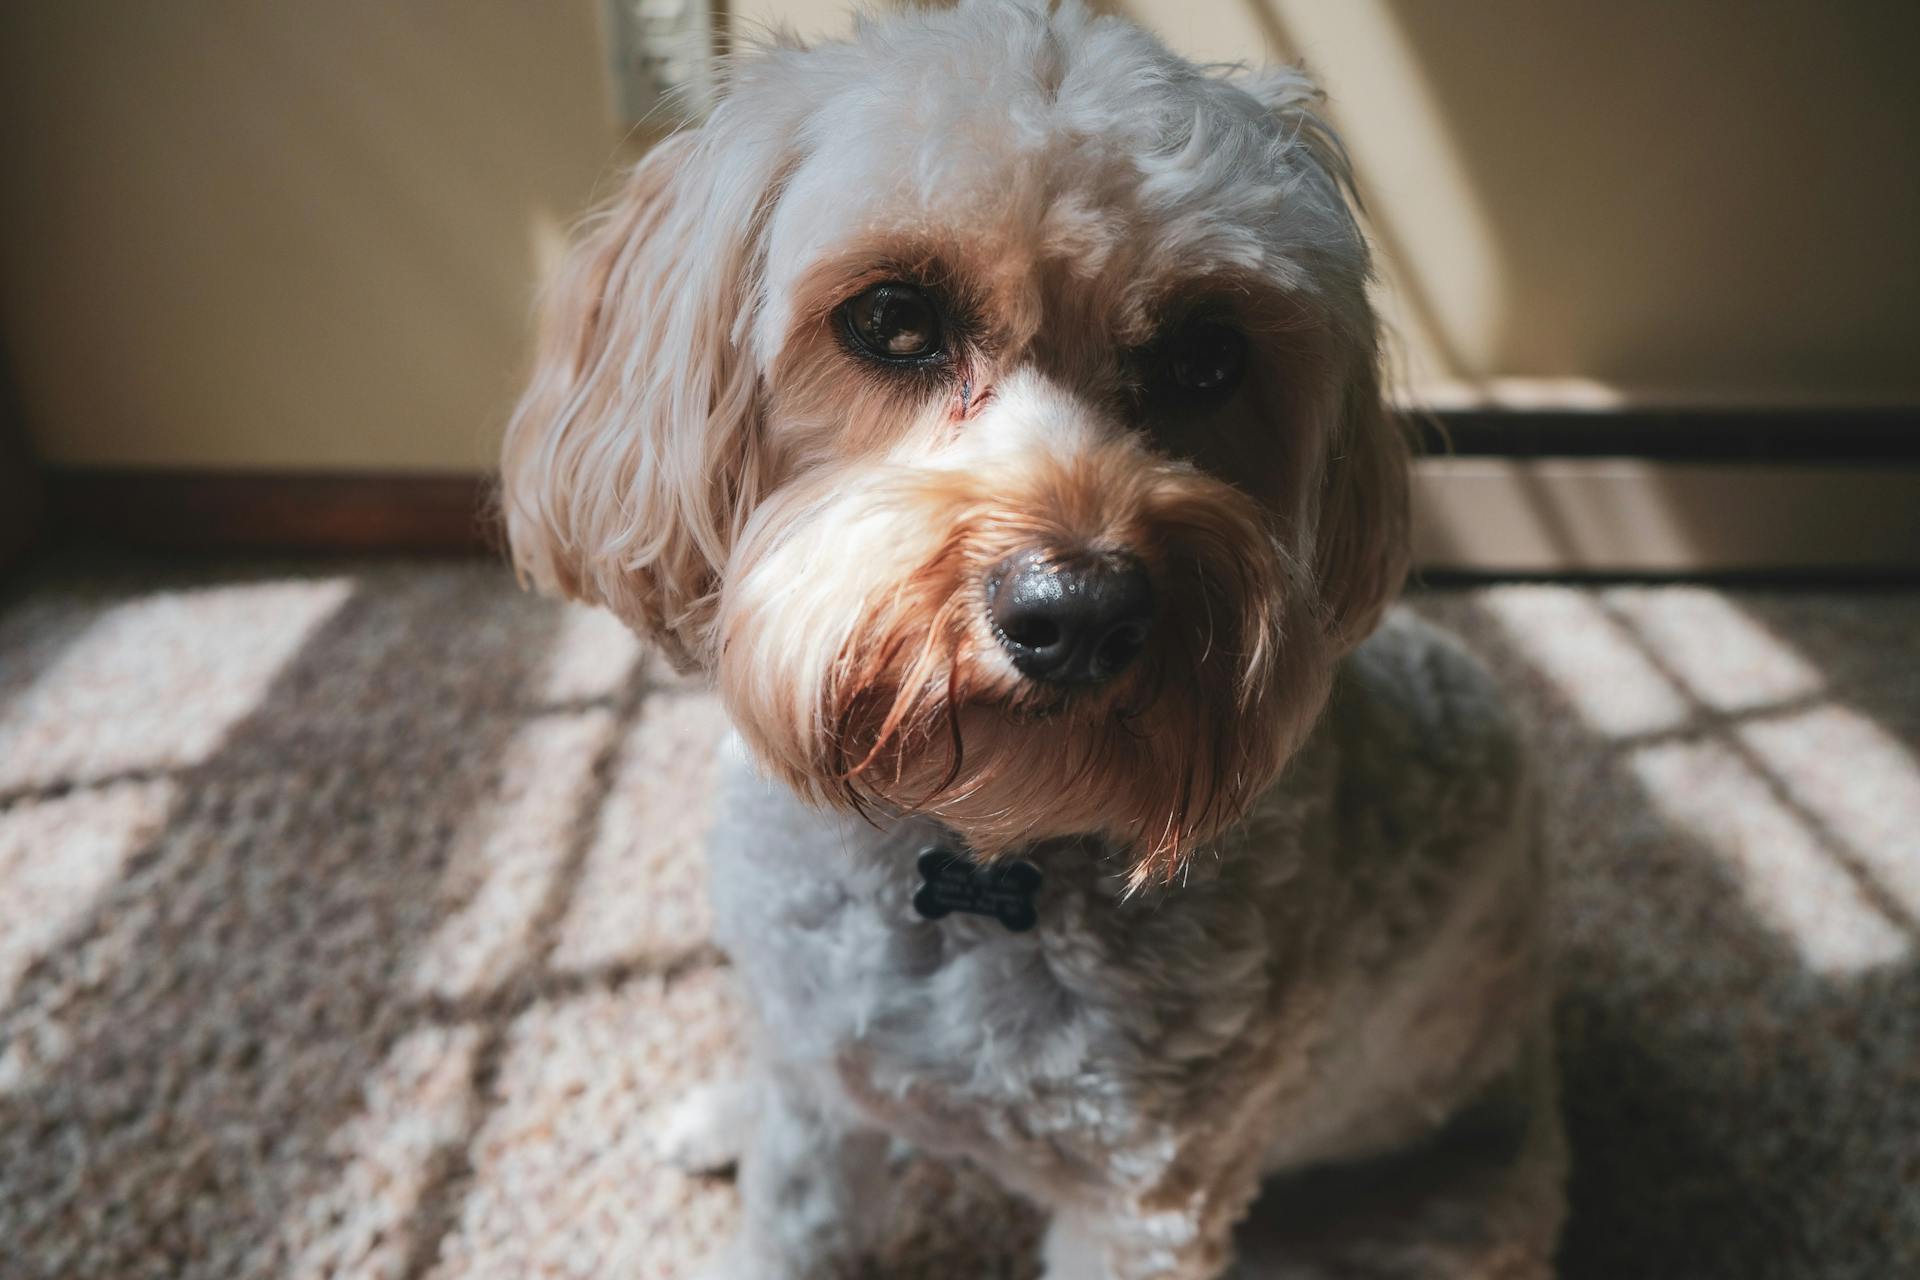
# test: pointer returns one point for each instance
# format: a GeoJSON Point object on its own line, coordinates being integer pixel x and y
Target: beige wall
{"type": "Point", "coordinates": [243, 234]}
{"type": "Point", "coordinates": [237, 233]}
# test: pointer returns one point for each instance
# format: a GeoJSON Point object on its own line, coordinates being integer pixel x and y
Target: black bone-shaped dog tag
{"type": "Point", "coordinates": [954, 882]}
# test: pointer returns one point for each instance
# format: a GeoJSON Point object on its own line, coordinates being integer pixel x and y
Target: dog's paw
{"type": "Point", "coordinates": [706, 1130]}
{"type": "Point", "coordinates": [743, 1259]}
{"type": "Point", "coordinates": [730, 1262]}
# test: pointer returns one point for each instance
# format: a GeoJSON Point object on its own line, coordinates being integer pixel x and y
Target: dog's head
{"type": "Point", "coordinates": [989, 404]}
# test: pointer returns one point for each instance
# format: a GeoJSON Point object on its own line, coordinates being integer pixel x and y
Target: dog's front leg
{"type": "Point", "coordinates": [810, 1189]}
{"type": "Point", "coordinates": [1135, 1239]}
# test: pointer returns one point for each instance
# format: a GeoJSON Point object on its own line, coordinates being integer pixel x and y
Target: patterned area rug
{"type": "Point", "coordinates": [352, 923]}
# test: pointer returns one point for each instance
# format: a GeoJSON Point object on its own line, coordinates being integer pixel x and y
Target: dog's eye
{"type": "Point", "coordinates": [894, 322]}
{"type": "Point", "coordinates": [1207, 356]}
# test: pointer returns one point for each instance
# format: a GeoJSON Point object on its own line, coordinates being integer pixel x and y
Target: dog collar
{"type": "Point", "coordinates": [951, 880]}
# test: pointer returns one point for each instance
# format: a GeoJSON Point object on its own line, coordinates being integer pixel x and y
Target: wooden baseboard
{"type": "Point", "coordinates": [178, 510]}
{"type": "Point", "coordinates": [20, 503]}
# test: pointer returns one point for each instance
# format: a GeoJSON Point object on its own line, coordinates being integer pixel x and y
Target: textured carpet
{"type": "Point", "coordinates": [352, 924]}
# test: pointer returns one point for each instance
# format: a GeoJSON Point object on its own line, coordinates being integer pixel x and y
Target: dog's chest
{"type": "Point", "coordinates": [840, 957]}
{"type": "Point", "coordinates": [960, 1030]}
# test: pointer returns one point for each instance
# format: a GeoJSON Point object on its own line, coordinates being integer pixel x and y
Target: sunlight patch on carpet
{"type": "Point", "coordinates": [158, 682]}
{"type": "Point", "coordinates": [502, 860]}
{"type": "Point", "coordinates": [1859, 781]}
{"type": "Point", "coordinates": [1722, 657]}
{"type": "Point", "coordinates": [643, 888]}
{"type": "Point", "coordinates": [417, 1101]}
{"type": "Point", "coordinates": [57, 857]}
{"type": "Point", "coordinates": [1788, 875]}
{"type": "Point", "coordinates": [592, 655]}
{"type": "Point", "coordinates": [1590, 659]}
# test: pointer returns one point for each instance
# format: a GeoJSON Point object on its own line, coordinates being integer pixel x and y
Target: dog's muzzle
{"type": "Point", "coordinates": [1079, 619]}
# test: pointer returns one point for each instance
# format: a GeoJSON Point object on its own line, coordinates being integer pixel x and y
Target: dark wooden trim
{"type": "Point", "coordinates": [1853, 578]}
{"type": "Point", "coordinates": [176, 510]}
{"type": "Point", "coordinates": [1796, 437]}
{"type": "Point", "coordinates": [20, 497]}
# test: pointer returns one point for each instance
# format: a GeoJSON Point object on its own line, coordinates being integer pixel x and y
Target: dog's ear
{"type": "Point", "coordinates": [1360, 547]}
{"type": "Point", "coordinates": [633, 456]}
{"type": "Point", "coordinates": [1361, 537]}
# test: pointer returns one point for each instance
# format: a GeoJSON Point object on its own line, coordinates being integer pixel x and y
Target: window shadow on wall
{"type": "Point", "coordinates": [1648, 193]}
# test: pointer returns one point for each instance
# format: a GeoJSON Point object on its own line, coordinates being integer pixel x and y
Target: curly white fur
{"type": "Point", "coordinates": [1269, 938]}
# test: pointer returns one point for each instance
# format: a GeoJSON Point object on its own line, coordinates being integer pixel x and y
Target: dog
{"type": "Point", "coordinates": [989, 406]}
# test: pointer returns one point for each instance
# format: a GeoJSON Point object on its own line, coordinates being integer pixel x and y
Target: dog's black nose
{"type": "Point", "coordinates": [1071, 620]}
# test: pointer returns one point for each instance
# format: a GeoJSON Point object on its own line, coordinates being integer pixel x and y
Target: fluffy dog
{"type": "Point", "coordinates": [988, 405]}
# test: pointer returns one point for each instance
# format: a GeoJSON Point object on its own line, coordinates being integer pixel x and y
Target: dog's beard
{"type": "Point", "coordinates": [887, 692]}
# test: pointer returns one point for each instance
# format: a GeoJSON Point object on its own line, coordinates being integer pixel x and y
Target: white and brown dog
{"type": "Point", "coordinates": [988, 404]}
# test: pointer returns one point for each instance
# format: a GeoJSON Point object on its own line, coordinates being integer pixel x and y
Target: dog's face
{"type": "Point", "coordinates": [989, 405]}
